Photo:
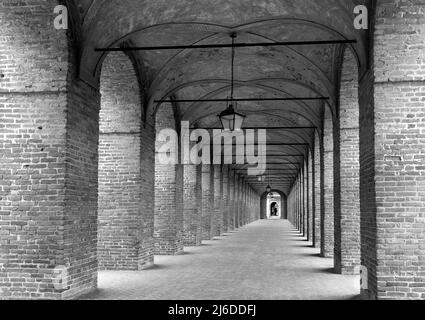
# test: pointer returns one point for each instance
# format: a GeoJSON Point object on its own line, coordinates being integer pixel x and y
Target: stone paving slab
{"type": "Point", "coordinates": [267, 259]}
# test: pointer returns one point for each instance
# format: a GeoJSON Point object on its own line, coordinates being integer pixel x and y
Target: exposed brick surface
{"type": "Point", "coordinates": [81, 188]}
{"type": "Point", "coordinates": [317, 192]}
{"type": "Point", "coordinates": [207, 201]}
{"type": "Point", "coordinates": [192, 205]}
{"type": "Point", "coordinates": [125, 201]}
{"type": "Point", "coordinates": [48, 162]}
{"type": "Point", "coordinates": [392, 154]}
{"type": "Point", "coordinates": [327, 214]}
{"type": "Point", "coordinates": [231, 200]}
{"type": "Point", "coordinates": [217, 221]}
{"type": "Point", "coordinates": [168, 232]}
{"type": "Point", "coordinates": [226, 201]}
{"type": "Point", "coordinates": [310, 196]}
{"type": "Point", "coordinates": [346, 171]}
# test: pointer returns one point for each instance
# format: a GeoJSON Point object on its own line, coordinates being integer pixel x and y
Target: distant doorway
{"type": "Point", "coordinates": [273, 206]}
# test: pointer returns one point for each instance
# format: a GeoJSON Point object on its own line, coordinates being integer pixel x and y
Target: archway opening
{"type": "Point", "coordinates": [274, 206]}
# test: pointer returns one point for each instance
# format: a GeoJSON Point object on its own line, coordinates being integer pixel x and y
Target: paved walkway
{"type": "Point", "coordinates": [267, 259]}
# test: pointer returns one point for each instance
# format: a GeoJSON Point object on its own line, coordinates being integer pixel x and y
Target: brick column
{"type": "Point", "coordinates": [310, 196]}
{"type": "Point", "coordinates": [299, 206]}
{"type": "Point", "coordinates": [217, 222]}
{"type": "Point", "coordinates": [238, 201]}
{"type": "Point", "coordinates": [245, 203]}
{"type": "Point", "coordinates": [48, 162]}
{"type": "Point", "coordinates": [284, 209]}
{"type": "Point", "coordinates": [392, 155]}
{"type": "Point", "coordinates": [226, 201]}
{"type": "Point", "coordinates": [192, 205]}
{"type": "Point", "coordinates": [327, 217]}
{"type": "Point", "coordinates": [231, 200]}
{"type": "Point", "coordinates": [304, 198]}
{"type": "Point", "coordinates": [125, 216]}
{"type": "Point", "coordinates": [346, 171]}
{"type": "Point", "coordinates": [168, 233]}
{"type": "Point", "coordinates": [317, 178]}
{"type": "Point", "coordinates": [207, 208]}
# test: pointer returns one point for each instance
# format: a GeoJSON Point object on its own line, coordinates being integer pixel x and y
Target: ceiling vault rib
{"type": "Point", "coordinates": [259, 128]}
{"type": "Point", "coordinates": [245, 99]}
{"type": "Point", "coordinates": [227, 45]}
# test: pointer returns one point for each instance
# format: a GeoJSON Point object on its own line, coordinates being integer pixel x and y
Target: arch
{"type": "Point", "coordinates": [346, 169]}
{"type": "Point", "coordinates": [283, 204]}
{"type": "Point", "coordinates": [121, 215]}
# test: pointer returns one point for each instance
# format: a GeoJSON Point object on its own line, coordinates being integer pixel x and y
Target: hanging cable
{"type": "Point", "coordinates": [233, 35]}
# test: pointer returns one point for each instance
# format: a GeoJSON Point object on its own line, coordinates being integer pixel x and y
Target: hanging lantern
{"type": "Point", "coordinates": [229, 118]}
{"type": "Point", "coordinates": [269, 189]}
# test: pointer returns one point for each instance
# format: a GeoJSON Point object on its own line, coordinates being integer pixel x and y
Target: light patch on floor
{"type": "Point", "coordinates": [267, 259]}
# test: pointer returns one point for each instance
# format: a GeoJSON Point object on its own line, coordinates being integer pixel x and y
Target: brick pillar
{"type": "Point", "coordinates": [241, 204]}
{"type": "Point", "coordinates": [192, 205]}
{"type": "Point", "coordinates": [310, 196]}
{"type": "Point", "coordinates": [245, 204]}
{"type": "Point", "coordinates": [207, 208]}
{"type": "Point", "coordinates": [392, 155]}
{"type": "Point", "coordinates": [226, 201]}
{"type": "Point", "coordinates": [346, 171]}
{"type": "Point", "coordinates": [317, 178]}
{"type": "Point", "coordinates": [299, 204]}
{"type": "Point", "coordinates": [327, 216]}
{"type": "Point", "coordinates": [284, 209]}
{"type": "Point", "coordinates": [48, 162]}
{"type": "Point", "coordinates": [121, 244]}
{"type": "Point", "coordinates": [299, 199]}
{"type": "Point", "coordinates": [249, 204]}
{"type": "Point", "coordinates": [217, 221]}
{"type": "Point", "coordinates": [238, 201]}
{"type": "Point", "coordinates": [168, 233]}
{"type": "Point", "coordinates": [294, 203]}
{"type": "Point", "coordinates": [242, 201]}
{"type": "Point", "coordinates": [305, 201]}
{"type": "Point", "coordinates": [231, 200]}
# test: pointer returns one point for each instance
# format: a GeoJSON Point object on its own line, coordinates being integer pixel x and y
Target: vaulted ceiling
{"type": "Point", "coordinates": [260, 72]}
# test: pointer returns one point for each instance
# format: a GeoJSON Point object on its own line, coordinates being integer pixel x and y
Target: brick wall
{"type": "Point", "coordinates": [237, 202]}
{"type": "Point", "coordinates": [226, 202]}
{"type": "Point", "coordinates": [231, 200]}
{"type": "Point", "coordinates": [299, 203]}
{"type": "Point", "coordinates": [395, 152]}
{"type": "Point", "coordinates": [346, 171]}
{"type": "Point", "coordinates": [121, 244]}
{"type": "Point", "coordinates": [48, 168]}
{"type": "Point", "coordinates": [310, 195]}
{"type": "Point", "coordinates": [207, 203]}
{"type": "Point", "coordinates": [305, 199]}
{"type": "Point", "coordinates": [284, 209]}
{"type": "Point", "coordinates": [327, 215]}
{"type": "Point", "coordinates": [168, 223]}
{"type": "Point", "coordinates": [217, 221]}
{"type": "Point", "coordinates": [192, 204]}
{"type": "Point", "coordinates": [367, 183]}
{"type": "Point", "coordinates": [317, 191]}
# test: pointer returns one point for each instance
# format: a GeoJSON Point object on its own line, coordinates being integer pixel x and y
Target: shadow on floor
{"type": "Point", "coordinates": [310, 255]}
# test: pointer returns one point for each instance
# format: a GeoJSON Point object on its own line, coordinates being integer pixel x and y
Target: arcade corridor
{"type": "Point", "coordinates": [267, 259]}
{"type": "Point", "coordinates": [134, 132]}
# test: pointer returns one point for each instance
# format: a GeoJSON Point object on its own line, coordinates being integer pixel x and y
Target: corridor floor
{"type": "Point", "coordinates": [267, 259]}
